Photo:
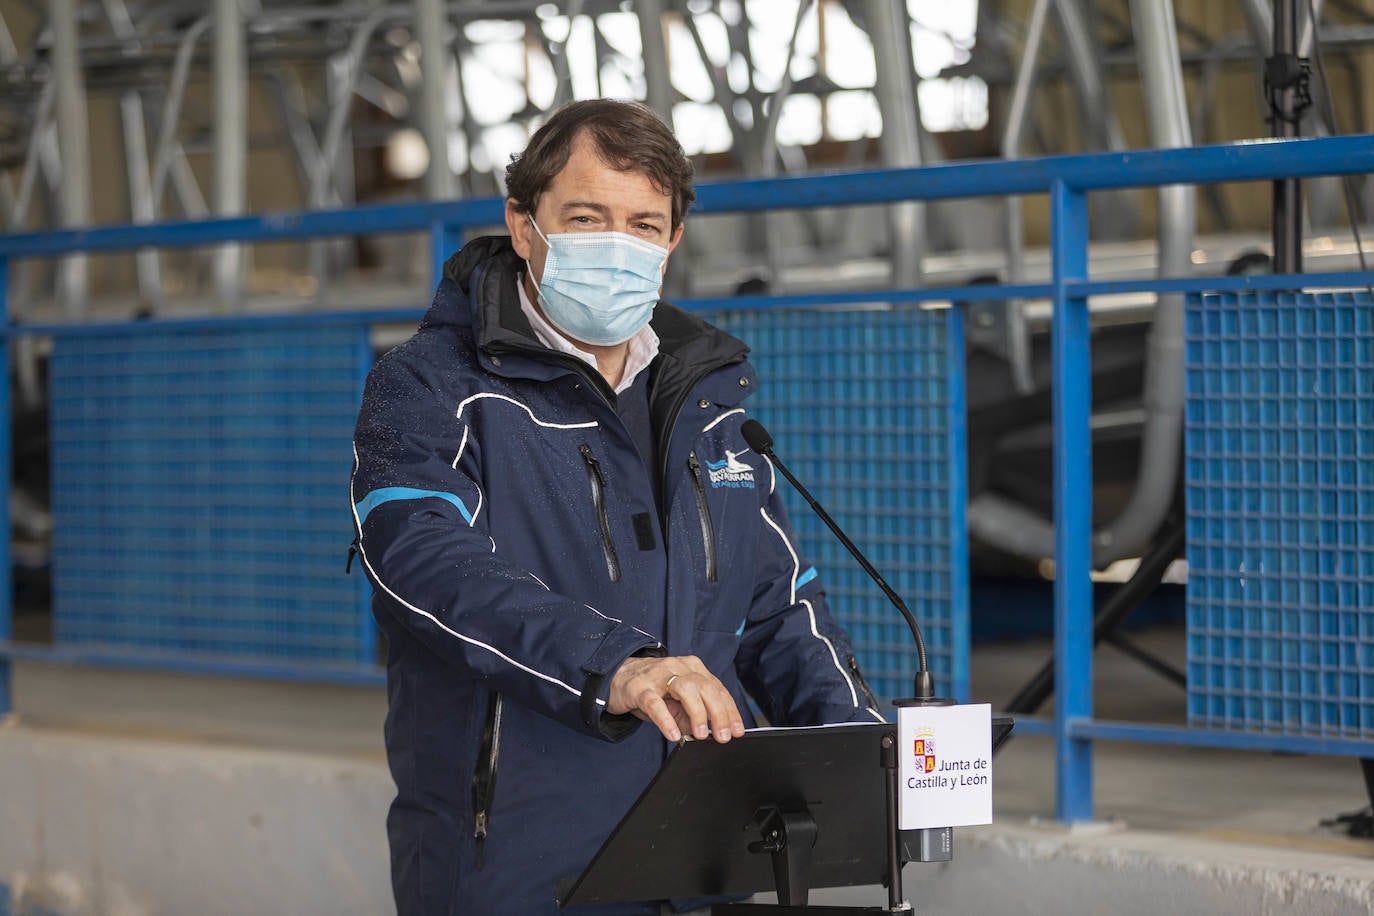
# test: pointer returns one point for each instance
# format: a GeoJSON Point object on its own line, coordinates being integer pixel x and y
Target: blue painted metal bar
{"type": "Point", "coordinates": [6, 426]}
{"type": "Point", "coordinates": [353, 565]}
{"type": "Point", "coordinates": [269, 227]}
{"type": "Point", "coordinates": [959, 623]}
{"type": "Point", "coordinates": [407, 315]}
{"type": "Point", "coordinates": [367, 675]}
{"type": "Point", "coordinates": [1104, 730]}
{"type": "Point", "coordinates": [1073, 597]}
{"type": "Point", "coordinates": [1075, 288]}
{"type": "Point", "coordinates": [1260, 160]}
{"type": "Point", "coordinates": [1034, 725]}
{"type": "Point", "coordinates": [1255, 160]}
{"type": "Point", "coordinates": [445, 238]}
{"type": "Point", "coordinates": [1356, 279]}
{"type": "Point", "coordinates": [216, 322]}
{"type": "Point", "coordinates": [941, 294]}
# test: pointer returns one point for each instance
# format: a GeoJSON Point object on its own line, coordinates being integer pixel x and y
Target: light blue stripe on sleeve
{"type": "Point", "coordinates": [387, 494]}
{"type": "Point", "coordinates": [806, 576]}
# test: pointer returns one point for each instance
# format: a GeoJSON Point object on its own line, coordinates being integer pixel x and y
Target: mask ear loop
{"type": "Point", "coordinates": [529, 268]}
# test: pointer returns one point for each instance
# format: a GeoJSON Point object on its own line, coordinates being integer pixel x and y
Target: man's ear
{"type": "Point", "coordinates": [677, 237]}
{"type": "Point", "coordinates": [518, 224]}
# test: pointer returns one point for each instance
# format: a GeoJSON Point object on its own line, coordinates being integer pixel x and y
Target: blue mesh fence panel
{"type": "Point", "coordinates": [858, 403]}
{"type": "Point", "coordinates": [199, 483]}
{"type": "Point", "coordinates": [1280, 489]}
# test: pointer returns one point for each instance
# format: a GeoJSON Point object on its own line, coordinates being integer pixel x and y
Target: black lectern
{"type": "Point", "coordinates": [778, 809]}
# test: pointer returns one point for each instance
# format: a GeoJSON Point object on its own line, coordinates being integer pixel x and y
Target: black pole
{"type": "Point", "coordinates": [1114, 610]}
{"type": "Point", "coordinates": [895, 900]}
{"type": "Point", "coordinates": [1286, 78]}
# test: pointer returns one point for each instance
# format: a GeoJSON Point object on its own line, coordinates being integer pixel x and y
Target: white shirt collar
{"type": "Point", "coordinates": [643, 346]}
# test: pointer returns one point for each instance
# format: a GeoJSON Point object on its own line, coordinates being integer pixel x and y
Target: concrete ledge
{"type": "Point", "coordinates": [1028, 869]}
{"type": "Point", "coordinates": [95, 825]}
{"type": "Point", "coordinates": [111, 826]}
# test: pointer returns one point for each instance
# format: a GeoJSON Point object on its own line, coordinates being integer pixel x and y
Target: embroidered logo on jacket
{"type": "Point", "coordinates": [730, 473]}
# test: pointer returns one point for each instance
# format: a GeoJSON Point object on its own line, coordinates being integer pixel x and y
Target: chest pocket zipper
{"type": "Point", "coordinates": [708, 529]}
{"type": "Point", "coordinates": [484, 776]}
{"type": "Point", "coordinates": [598, 482]}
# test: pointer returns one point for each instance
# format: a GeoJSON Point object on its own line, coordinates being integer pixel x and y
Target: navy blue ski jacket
{"type": "Point", "coordinates": [518, 556]}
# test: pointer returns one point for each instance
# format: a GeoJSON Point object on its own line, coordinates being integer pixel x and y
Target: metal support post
{"type": "Point", "coordinates": [230, 143]}
{"type": "Point", "coordinates": [74, 144]}
{"type": "Point", "coordinates": [6, 584]}
{"type": "Point", "coordinates": [148, 262]}
{"type": "Point", "coordinates": [1115, 214]}
{"type": "Point", "coordinates": [889, 28]}
{"type": "Point", "coordinates": [658, 87]}
{"type": "Point", "coordinates": [1286, 87]}
{"type": "Point", "coordinates": [431, 31]}
{"type": "Point", "coordinates": [167, 147]}
{"type": "Point", "coordinates": [1166, 108]}
{"type": "Point", "coordinates": [444, 240]}
{"type": "Point", "coordinates": [141, 206]}
{"type": "Point", "coordinates": [956, 368]}
{"type": "Point", "coordinates": [1073, 627]}
{"type": "Point", "coordinates": [1018, 117]}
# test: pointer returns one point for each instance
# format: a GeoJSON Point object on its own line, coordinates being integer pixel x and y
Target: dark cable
{"type": "Point", "coordinates": [1329, 105]}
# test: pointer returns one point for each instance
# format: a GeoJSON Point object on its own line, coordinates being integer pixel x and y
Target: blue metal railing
{"type": "Point", "coordinates": [1066, 179]}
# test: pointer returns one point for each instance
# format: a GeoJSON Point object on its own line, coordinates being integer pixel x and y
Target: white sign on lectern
{"type": "Point", "coordinates": [945, 760]}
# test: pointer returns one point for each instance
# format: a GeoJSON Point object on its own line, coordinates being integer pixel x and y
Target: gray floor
{"type": "Point", "coordinates": [1263, 798]}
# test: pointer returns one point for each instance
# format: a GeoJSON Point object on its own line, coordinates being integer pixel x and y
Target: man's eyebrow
{"type": "Point", "coordinates": [605, 210]}
{"type": "Point", "coordinates": [585, 205]}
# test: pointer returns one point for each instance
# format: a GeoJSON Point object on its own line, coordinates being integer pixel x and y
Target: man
{"type": "Point", "coordinates": [566, 533]}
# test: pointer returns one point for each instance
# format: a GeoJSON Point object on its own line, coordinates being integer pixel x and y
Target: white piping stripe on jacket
{"type": "Point", "coordinates": [456, 458]}
{"type": "Point", "coordinates": [461, 445]}
{"type": "Point", "coordinates": [722, 417]}
{"type": "Point", "coordinates": [796, 569]}
{"type": "Point", "coordinates": [811, 612]}
{"type": "Point", "coordinates": [501, 397]}
{"type": "Point", "coordinates": [362, 552]}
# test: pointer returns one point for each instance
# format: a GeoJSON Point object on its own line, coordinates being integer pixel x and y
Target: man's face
{"type": "Point", "coordinates": [590, 196]}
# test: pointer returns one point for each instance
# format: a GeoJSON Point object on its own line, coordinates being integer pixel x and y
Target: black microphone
{"type": "Point", "coordinates": [758, 439]}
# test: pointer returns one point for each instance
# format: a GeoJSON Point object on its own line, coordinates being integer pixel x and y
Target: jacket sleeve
{"type": "Point", "coordinates": [419, 514]}
{"type": "Point", "coordinates": [794, 659]}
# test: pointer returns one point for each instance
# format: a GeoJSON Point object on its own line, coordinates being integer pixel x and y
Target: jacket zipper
{"type": "Point", "coordinates": [863, 685]}
{"type": "Point", "coordinates": [708, 530]}
{"type": "Point", "coordinates": [598, 481]}
{"type": "Point", "coordinates": [484, 777]}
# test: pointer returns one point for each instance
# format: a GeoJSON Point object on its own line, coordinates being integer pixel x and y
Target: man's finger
{"type": "Point", "coordinates": [724, 715]}
{"type": "Point", "coordinates": [657, 712]}
{"type": "Point", "coordinates": [687, 691]}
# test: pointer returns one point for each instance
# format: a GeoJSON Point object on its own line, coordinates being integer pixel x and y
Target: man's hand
{"type": "Point", "coordinates": [676, 694]}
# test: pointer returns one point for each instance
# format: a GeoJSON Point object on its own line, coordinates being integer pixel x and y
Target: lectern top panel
{"type": "Point", "coordinates": [689, 832]}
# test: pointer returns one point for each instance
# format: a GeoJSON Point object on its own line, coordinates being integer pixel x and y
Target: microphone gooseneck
{"type": "Point", "coordinates": [758, 439]}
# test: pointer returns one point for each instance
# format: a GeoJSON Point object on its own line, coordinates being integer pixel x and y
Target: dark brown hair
{"type": "Point", "coordinates": [628, 136]}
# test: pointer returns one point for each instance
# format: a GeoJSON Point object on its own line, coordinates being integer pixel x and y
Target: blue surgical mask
{"type": "Point", "coordinates": [599, 287]}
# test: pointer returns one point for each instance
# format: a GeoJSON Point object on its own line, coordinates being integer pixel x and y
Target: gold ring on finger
{"type": "Point", "coordinates": [669, 685]}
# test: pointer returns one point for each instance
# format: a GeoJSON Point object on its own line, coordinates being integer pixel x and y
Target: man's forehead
{"type": "Point", "coordinates": [588, 179]}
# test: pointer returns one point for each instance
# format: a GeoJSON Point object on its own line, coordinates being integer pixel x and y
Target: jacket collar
{"type": "Point", "coordinates": [486, 271]}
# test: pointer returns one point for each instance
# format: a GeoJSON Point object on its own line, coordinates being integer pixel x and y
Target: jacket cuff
{"type": "Point", "coordinates": [619, 644]}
